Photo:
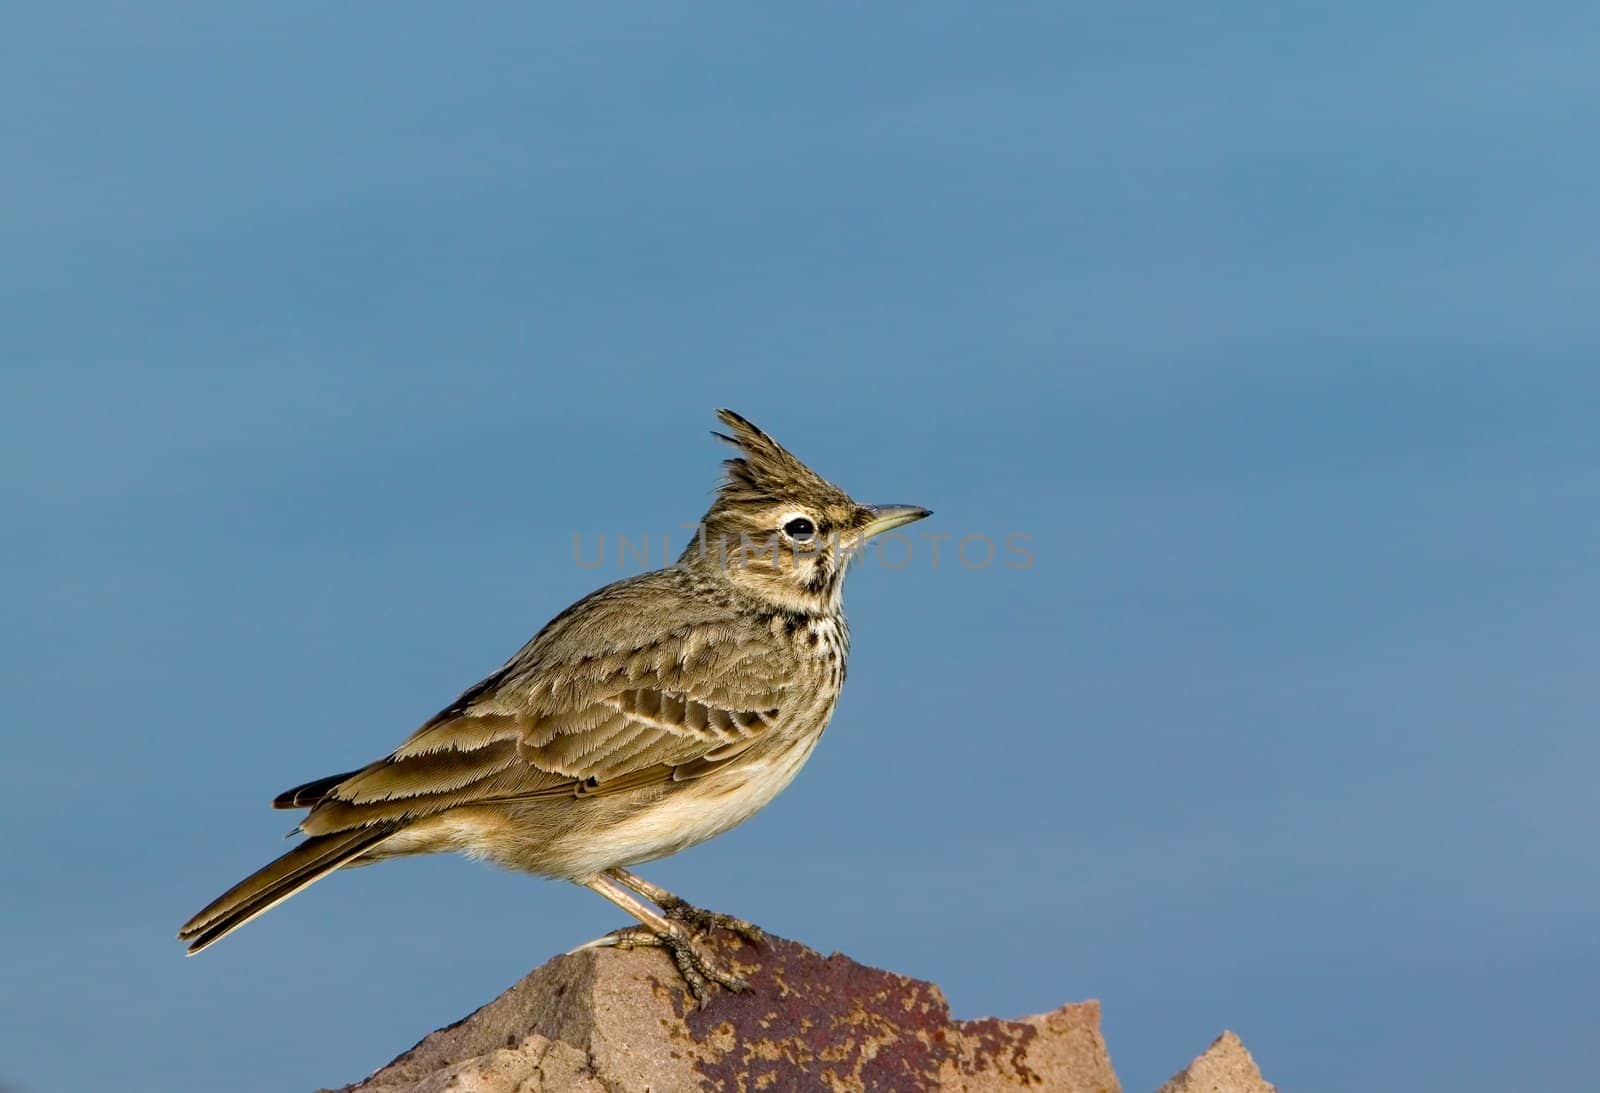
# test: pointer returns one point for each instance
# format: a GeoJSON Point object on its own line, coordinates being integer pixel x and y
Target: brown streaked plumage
{"type": "Point", "coordinates": [653, 714]}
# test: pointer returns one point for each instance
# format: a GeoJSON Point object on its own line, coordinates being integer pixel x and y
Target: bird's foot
{"type": "Point", "coordinates": [698, 970]}
{"type": "Point", "coordinates": [702, 920]}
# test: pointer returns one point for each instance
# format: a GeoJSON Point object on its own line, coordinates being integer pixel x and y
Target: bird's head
{"type": "Point", "coordinates": [780, 530]}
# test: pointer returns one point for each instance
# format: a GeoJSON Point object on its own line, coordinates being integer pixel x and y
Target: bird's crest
{"type": "Point", "coordinates": [764, 470]}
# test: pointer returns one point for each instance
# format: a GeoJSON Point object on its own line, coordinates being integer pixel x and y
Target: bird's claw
{"type": "Point", "coordinates": [703, 921]}
{"type": "Point", "coordinates": [698, 970]}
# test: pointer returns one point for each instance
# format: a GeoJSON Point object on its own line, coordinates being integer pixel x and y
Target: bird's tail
{"type": "Point", "coordinates": [277, 881]}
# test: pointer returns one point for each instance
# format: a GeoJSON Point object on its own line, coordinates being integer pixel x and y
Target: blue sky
{"type": "Point", "coordinates": [324, 329]}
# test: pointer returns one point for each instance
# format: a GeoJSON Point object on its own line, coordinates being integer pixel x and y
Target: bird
{"type": "Point", "coordinates": [653, 714]}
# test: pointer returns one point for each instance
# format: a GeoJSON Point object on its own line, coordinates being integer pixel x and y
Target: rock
{"type": "Point", "coordinates": [604, 1021]}
{"type": "Point", "coordinates": [1224, 1067]}
{"type": "Point", "coordinates": [608, 1021]}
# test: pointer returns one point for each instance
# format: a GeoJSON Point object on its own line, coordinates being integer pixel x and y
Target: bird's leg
{"type": "Point", "coordinates": [681, 910]}
{"type": "Point", "coordinates": [697, 970]}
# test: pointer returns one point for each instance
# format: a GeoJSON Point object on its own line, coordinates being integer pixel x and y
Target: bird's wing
{"type": "Point", "coordinates": [664, 711]}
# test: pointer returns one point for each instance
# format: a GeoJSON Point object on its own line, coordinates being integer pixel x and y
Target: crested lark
{"type": "Point", "coordinates": [649, 716]}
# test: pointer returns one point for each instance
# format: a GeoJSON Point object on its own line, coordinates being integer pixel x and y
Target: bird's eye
{"type": "Point", "coordinates": [800, 529]}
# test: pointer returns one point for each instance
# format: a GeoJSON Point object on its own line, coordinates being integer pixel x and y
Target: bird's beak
{"type": "Point", "coordinates": [888, 517]}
